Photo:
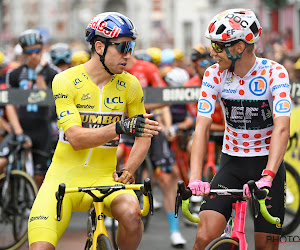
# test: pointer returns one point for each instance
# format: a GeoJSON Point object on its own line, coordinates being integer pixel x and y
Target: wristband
{"type": "Point", "coordinates": [268, 172]}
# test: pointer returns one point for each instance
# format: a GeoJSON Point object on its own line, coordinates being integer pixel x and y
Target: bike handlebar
{"type": "Point", "coordinates": [258, 195]}
{"type": "Point", "coordinates": [107, 190]}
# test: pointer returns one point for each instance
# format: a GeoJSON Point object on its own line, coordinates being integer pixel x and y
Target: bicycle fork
{"type": "Point", "coordinates": [238, 231]}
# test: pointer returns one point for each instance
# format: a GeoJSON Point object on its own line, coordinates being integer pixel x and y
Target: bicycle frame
{"type": "Point", "coordinates": [238, 231]}
{"type": "Point", "coordinates": [240, 207]}
{"type": "Point", "coordinates": [98, 202]}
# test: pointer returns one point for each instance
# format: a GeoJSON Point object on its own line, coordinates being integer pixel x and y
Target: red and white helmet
{"type": "Point", "coordinates": [234, 24]}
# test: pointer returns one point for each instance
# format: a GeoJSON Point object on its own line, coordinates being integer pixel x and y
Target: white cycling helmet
{"type": "Point", "coordinates": [176, 77]}
{"type": "Point", "coordinates": [234, 24]}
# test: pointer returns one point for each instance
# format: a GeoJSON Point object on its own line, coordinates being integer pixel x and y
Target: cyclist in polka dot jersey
{"type": "Point", "coordinates": [255, 98]}
{"type": "Point", "coordinates": [248, 103]}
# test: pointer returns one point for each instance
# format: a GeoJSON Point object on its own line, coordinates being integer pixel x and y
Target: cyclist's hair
{"type": "Point", "coordinates": [94, 40]}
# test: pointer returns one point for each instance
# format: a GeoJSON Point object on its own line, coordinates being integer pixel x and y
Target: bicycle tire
{"type": "Point", "coordinates": [13, 231]}
{"type": "Point", "coordinates": [209, 174]}
{"type": "Point", "coordinates": [103, 243]}
{"type": "Point", "coordinates": [292, 214]}
{"type": "Point", "coordinates": [114, 230]}
{"type": "Point", "coordinates": [223, 243]}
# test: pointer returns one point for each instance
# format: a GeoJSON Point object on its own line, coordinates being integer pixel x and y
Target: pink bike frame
{"type": "Point", "coordinates": [238, 231]}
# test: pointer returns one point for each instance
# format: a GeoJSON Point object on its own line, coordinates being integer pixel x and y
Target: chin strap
{"type": "Point", "coordinates": [234, 58]}
{"type": "Point", "coordinates": [102, 57]}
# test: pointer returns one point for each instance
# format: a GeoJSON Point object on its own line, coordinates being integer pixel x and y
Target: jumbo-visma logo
{"type": "Point", "coordinates": [258, 86]}
{"type": "Point", "coordinates": [283, 106]}
{"type": "Point", "coordinates": [204, 106]}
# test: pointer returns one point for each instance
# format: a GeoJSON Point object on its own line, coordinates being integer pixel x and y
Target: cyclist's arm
{"type": "Point", "coordinates": [279, 141]}
{"type": "Point", "coordinates": [203, 124]}
{"type": "Point", "coordinates": [216, 127]}
{"type": "Point", "coordinates": [187, 123]}
{"type": "Point", "coordinates": [13, 118]}
{"type": "Point", "coordinates": [281, 118]}
{"type": "Point", "coordinates": [199, 145]}
{"type": "Point", "coordinates": [137, 154]}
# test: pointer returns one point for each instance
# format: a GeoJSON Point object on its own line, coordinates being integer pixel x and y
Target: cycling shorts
{"type": "Point", "coordinates": [160, 154]}
{"type": "Point", "coordinates": [234, 172]}
{"type": "Point", "coordinates": [42, 224]}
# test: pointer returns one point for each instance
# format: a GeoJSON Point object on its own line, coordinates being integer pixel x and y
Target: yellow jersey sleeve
{"type": "Point", "coordinates": [135, 95]}
{"type": "Point", "coordinates": [64, 94]}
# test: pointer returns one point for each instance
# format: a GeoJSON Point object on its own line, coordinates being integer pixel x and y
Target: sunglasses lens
{"type": "Point", "coordinates": [217, 47]}
{"type": "Point", "coordinates": [125, 47]}
{"type": "Point", "coordinates": [204, 63]}
{"type": "Point", "coordinates": [31, 51]}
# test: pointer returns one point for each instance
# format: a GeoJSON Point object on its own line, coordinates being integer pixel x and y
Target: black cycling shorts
{"type": "Point", "coordinates": [160, 153]}
{"type": "Point", "coordinates": [234, 172]}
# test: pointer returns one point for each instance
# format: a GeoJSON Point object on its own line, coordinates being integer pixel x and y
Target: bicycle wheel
{"type": "Point", "coordinates": [209, 174]}
{"type": "Point", "coordinates": [114, 229]}
{"type": "Point", "coordinates": [292, 213]}
{"type": "Point", "coordinates": [223, 243]}
{"type": "Point", "coordinates": [103, 243]}
{"type": "Point", "coordinates": [21, 193]}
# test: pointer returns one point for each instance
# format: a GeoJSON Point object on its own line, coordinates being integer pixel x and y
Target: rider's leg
{"type": "Point", "coordinates": [265, 241]}
{"type": "Point", "coordinates": [126, 209]}
{"type": "Point", "coordinates": [211, 226]}
{"type": "Point", "coordinates": [41, 245]}
{"type": "Point", "coordinates": [169, 189]}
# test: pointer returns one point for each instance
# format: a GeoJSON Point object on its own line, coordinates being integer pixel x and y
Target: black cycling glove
{"type": "Point", "coordinates": [131, 126]}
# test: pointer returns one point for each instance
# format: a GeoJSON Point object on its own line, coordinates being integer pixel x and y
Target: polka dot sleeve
{"type": "Point", "coordinates": [280, 87]}
{"type": "Point", "coordinates": [209, 92]}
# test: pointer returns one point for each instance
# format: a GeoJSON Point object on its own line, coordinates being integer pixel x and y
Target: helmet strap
{"type": "Point", "coordinates": [102, 57]}
{"type": "Point", "coordinates": [234, 58]}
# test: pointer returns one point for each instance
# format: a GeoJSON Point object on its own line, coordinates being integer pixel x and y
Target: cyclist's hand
{"type": "Point", "coordinates": [123, 176]}
{"type": "Point", "coordinates": [138, 126]}
{"type": "Point", "coordinates": [199, 187]}
{"type": "Point", "coordinates": [263, 182]}
{"type": "Point", "coordinates": [25, 139]}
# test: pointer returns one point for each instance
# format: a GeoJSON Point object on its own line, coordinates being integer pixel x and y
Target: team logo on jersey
{"type": "Point", "coordinates": [204, 106]}
{"type": "Point", "coordinates": [121, 85]}
{"type": "Point", "coordinates": [86, 96]}
{"type": "Point", "coordinates": [65, 116]}
{"type": "Point", "coordinates": [96, 120]}
{"type": "Point", "coordinates": [283, 106]}
{"type": "Point", "coordinates": [60, 96]}
{"type": "Point", "coordinates": [78, 83]}
{"type": "Point", "coordinates": [112, 103]}
{"type": "Point", "coordinates": [258, 86]}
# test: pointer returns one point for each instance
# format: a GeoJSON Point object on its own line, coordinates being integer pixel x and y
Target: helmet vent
{"type": "Point", "coordinates": [221, 28]}
{"type": "Point", "coordinates": [254, 28]}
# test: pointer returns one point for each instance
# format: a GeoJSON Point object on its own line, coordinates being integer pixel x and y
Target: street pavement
{"type": "Point", "coordinates": [157, 236]}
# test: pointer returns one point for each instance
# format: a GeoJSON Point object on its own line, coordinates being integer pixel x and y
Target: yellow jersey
{"type": "Point", "coordinates": [79, 101]}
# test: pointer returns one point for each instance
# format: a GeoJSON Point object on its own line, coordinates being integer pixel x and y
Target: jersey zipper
{"type": "Point", "coordinates": [90, 151]}
{"type": "Point", "coordinates": [100, 98]}
{"type": "Point", "coordinates": [88, 157]}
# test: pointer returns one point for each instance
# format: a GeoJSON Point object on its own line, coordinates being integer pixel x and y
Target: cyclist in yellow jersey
{"type": "Point", "coordinates": [90, 101]}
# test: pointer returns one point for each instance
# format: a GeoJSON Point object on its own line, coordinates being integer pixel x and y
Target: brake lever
{"type": "Point", "coordinates": [253, 190]}
{"type": "Point", "coordinates": [148, 191]}
{"type": "Point", "coordinates": [60, 196]}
